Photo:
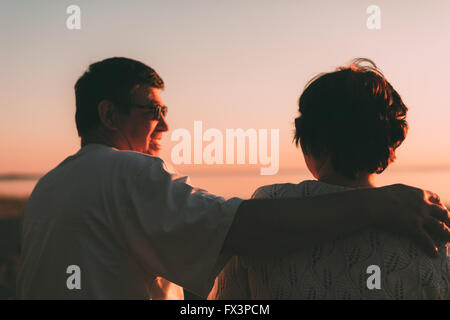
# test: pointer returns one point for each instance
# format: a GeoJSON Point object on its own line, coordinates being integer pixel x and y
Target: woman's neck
{"type": "Point", "coordinates": [361, 181]}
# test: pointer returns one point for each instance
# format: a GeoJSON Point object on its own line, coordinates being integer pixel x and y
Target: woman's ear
{"type": "Point", "coordinates": [107, 112]}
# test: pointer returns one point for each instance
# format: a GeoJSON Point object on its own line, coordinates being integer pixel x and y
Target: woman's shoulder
{"type": "Point", "coordinates": [280, 190]}
{"type": "Point", "coordinates": [305, 188]}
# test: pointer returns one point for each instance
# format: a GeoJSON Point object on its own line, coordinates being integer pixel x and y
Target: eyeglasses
{"type": "Point", "coordinates": [157, 110]}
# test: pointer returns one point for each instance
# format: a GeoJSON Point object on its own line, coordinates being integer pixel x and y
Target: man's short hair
{"type": "Point", "coordinates": [354, 116]}
{"type": "Point", "coordinates": [110, 79]}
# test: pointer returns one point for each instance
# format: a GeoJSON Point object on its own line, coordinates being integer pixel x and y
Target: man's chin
{"type": "Point", "coordinates": [154, 149]}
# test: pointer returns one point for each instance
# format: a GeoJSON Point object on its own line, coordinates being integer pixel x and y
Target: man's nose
{"type": "Point", "coordinates": [162, 125]}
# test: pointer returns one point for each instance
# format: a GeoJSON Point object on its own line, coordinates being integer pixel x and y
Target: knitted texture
{"type": "Point", "coordinates": [337, 269]}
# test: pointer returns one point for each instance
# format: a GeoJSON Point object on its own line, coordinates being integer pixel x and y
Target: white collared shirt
{"type": "Point", "coordinates": [125, 220]}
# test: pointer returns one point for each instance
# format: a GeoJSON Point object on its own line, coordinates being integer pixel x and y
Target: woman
{"type": "Point", "coordinates": [351, 122]}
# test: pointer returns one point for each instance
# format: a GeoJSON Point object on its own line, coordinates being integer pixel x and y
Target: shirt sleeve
{"type": "Point", "coordinates": [174, 230]}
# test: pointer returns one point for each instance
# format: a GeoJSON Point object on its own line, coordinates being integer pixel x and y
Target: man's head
{"type": "Point", "coordinates": [118, 102]}
{"type": "Point", "coordinates": [352, 118]}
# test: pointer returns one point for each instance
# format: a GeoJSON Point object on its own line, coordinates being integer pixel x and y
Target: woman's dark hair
{"type": "Point", "coordinates": [354, 116]}
{"type": "Point", "coordinates": [111, 79]}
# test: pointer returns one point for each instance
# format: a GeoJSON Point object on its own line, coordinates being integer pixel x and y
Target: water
{"type": "Point", "coordinates": [244, 184]}
{"type": "Point", "coordinates": [17, 187]}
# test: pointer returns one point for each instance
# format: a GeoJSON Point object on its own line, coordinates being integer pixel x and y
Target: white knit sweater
{"type": "Point", "coordinates": [338, 269]}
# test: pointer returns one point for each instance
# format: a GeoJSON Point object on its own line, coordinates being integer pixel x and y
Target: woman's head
{"type": "Point", "coordinates": [352, 117]}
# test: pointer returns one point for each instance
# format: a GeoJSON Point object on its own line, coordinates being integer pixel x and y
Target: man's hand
{"type": "Point", "coordinates": [413, 212]}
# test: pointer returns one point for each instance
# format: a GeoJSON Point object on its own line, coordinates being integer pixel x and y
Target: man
{"type": "Point", "coordinates": [109, 220]}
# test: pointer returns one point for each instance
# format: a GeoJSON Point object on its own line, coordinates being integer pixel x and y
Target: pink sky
{"type": "Point", "coordinates": [231, 64]}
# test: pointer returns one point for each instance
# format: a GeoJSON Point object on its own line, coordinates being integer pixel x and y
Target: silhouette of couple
{"type": "Point", "coordinates": [136, 229]}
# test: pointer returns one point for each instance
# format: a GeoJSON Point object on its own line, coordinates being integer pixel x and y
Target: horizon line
{"type": "Point", "coordinates": [209, 169]}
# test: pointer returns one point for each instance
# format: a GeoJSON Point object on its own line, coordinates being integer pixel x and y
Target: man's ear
{"type": "Point", "coordinates": [107, 112]}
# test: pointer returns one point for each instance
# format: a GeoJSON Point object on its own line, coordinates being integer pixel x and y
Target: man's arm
{"type": "Point", "coordinates": [282, 226]}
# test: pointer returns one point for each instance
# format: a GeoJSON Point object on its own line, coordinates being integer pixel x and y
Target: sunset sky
{"type": "Point", "coordinates": [231, 64]}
